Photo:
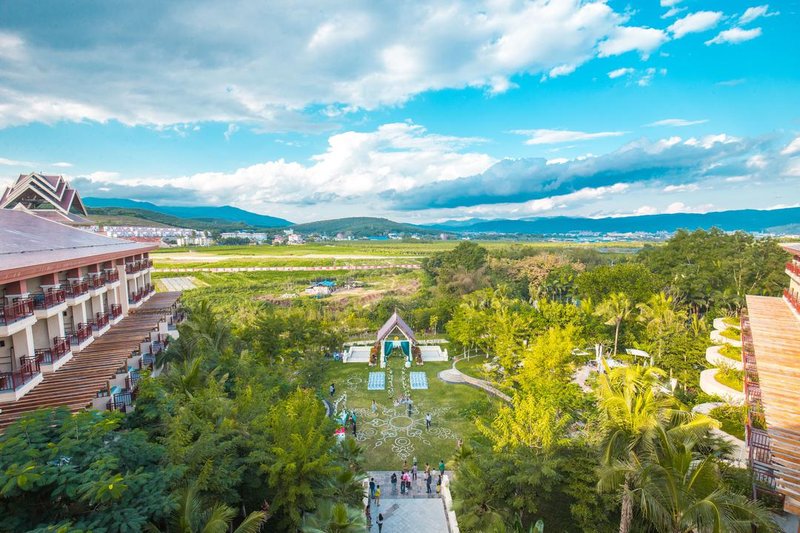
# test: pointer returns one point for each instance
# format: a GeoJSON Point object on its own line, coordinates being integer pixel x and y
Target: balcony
{"type": "Point", "coordinates": [112, 276]}
{"type": "Point", "coordinates": [49, 299]}
{"type": "Point", "coordinates": [136, 297]}
{"type": "Point", "coordinates": [793, 268]}
{"type": "Point", "coordinates": [76, 289]}
{"type": "Point", "coordinates": [51, 357]}
{"type": "Point", "coordinates": [19, 309]}
{"type": "Point", "coordinates": [793, 300]}
{"type": "Point", "coordinates": [101, 320]}
{"type": "Point", "coordinates": [13, 385]}
{"type": "Point", "coordinates": [133, 268]}
{"type": "Point", "coordinates": [121, 401]}
{"type": "Point", "coordinates": [82, 334]}
{"type": "Point", "coordinates": [146, 264]}
{"type": "Point", "coordinates": [116, 311]}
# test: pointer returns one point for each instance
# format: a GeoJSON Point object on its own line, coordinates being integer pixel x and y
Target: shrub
{"type": "Point", "coordinates": [731, 377]}
{"type": "Point", "coordinates": [731, 352]}
{"type": "Point", "coordinates": [732, 419]}
{"type": "Point", "coordinates": [731, 333]}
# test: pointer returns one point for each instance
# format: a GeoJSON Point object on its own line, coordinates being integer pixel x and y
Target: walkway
{"type": "Point", "coordinates": [288, 268]}
{"type": "Point", "coordinates": [453, 375]}
{"type": "Point", "coordinates": [76, 383]}
{"type": "Point", "coordinates": [403, 513]}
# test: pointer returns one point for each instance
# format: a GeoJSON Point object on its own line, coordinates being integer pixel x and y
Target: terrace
{"type": "Point", "coordinates": [19, 309]}
{"type": "Point", "coordinates": [793, 300]}
{"type": "Point", "coordinates": [49, 299]}
{"type": "Point", "coordinates": [52, 356]}
{"type": "Point", "coordinates": [793, 268]}
{"type": "Point", "coordinates": [13, 385]}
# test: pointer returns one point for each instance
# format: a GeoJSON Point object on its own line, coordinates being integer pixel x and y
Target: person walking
{"type": "Point", "coordinates": [414, 472]}
{"type": "Point", "coordinates": [378, 495]}
{"type": "Point", "coordinates": [428, 482]}
{"type": "Point", "coordinates": [394, 483]}
{"type": "Point", "coordinates": [371, 487]}
{"type": "Point", "coordinates": [332, 389]}
{"type": "Point", "coordinates": [441, 467]}
{"type": "Point", "coordinates": [380, 522]}
{"type": "Point", "coordinates": [428, 421]}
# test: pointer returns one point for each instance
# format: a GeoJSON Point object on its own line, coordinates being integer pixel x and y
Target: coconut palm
{"type": "Point", "coordinates": [332, 517]}
{"type": "Point", "coordinates": [660, 318]}
{"type": "Point", "coordinates": [635, 412]}
{"type": "Point", "coordinates": [679, 489]}
{"type": "Point", "coordinates": [615, 309]}
{"type": "Point", "coordinates": [195, 515]}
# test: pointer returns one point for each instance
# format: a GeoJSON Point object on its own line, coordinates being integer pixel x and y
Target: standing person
{"type": "Point", "coordinates": [371, 487]}
{"type": "Point", "coordinates": [414, 472]}
{"type": "Point", "coordinates": [354, 426]}
{"type": "Point", "coordinates": [428, 478]}
{"type": "Point", "coordinates": [394, 483]}
{"type": "Point", "coordinates": [374, 407]}
{"type": "Point", "coordinates": [441, 467]}
{"type": "Point", "coordinates": [380, 522]}
{"type": "Point", "coordinates": [427, 421]}
{"type": "Point", "coordinates": [427, 468]}
{"type": "Point", "coordinates": [378, 495]}
{"type": "Point", "coordinates": [414, 461]}
{"type": "Point", "coordinates": [403, 482]}
{"type": "Point", "coordinates": [368, 516]}
{"type": "Point", "coordinates": [439, 485]}
{"type": "Point", "coordinates": [332, 389]}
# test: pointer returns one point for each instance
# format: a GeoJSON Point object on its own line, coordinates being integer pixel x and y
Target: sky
{"type": "Point", "coordinates": [415, 111]}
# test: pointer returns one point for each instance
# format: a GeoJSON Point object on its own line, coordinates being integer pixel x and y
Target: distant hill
{"type": "Point", "coordinates": [753, 220]}
{"type": "Point", "coordinates": [361, 227]}
{"type": "Point", "coordinates": [129, 216]}
{"type": "Point", "coordinates": [203, 213]}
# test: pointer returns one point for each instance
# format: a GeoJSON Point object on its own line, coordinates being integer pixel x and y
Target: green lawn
{"type": "Point", "coordinates": [732, 419]}
{"type": "Point", "coordinates": [730, 378]}
{"type": "Point", "coordinates": [390, 436]}
{"type": "Point", "coordinates": [731, 352]}
{"type": "Point", "coordinates": [731, 321]}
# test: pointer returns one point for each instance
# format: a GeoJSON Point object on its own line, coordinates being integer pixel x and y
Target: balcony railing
{"type": "Point", "coordinates": [51, 355]}
{"type": "Point", "coordinates": [49, 299]}
{"type": "Point", "coordinates": [97, 282]}
{"type": "Point", "coordinates": [112, 276]}
{"type": "Point", "coordinates": [101, 320]}
{"type": "Point", "coordinates": [17, 310]}
{"type": "Point", "coordinates": [116, 311]}
{"type": "Point", "coordinates": [794, 301]}
{"type": "Point", "coordinates": [83, 332]}
{"type": "Point", "coordinates": [11, 381]}
{"type": "Point", "coordinates": [136, 297]}
{"type": "Point", "coordinates": [132, 268]}
{"type": "Point", "coordinates": [75, 289]}
{"type": "Point", "coordinates": [121, 401]}
{"type": "Point", "coordinates": [793, 268]}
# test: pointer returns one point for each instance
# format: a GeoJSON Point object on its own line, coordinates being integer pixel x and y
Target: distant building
{"type": "Point", "coordinates": [279, 239]}
{"type": "Point", "coordinates": [249, 236]}
{"type": "Point", "coordinates": [321, 288]}
{"type": "Point", "coordinates": [295, 238]}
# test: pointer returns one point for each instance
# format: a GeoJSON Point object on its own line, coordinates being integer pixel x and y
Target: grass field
{"type": "Point", "coordinates": [390, 436]}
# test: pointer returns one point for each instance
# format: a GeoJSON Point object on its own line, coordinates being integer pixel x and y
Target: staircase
{"type": "Point", "coordinates": [76, 383]}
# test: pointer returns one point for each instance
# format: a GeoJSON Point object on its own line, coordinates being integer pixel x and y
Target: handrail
{"type": "Point", "coordinates": [112, 276]}
{"type": "Point", "coordinates": [794, 301]}
{"type": "Point", "coordinates": [77, 288]}
{"type": "Point", "coordinates": [10, 381]}
{"type": "Point", "coordinates": [49, 298]}
{"type": "Point", "coordinates": [84, 331]}
{"type": "Point", "coordinates": [116, 310]}
{"type": "Point", "coordinates": [17, 310]}
{"type": "Point", "coordinates": [793, 268]}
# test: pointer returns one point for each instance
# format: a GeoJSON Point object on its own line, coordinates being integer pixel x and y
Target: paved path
{"type": "Point", "coordinates": [408, 513]}
{"type": "Point", "coordinates": [177, 284]}
{"type": "Point", "coordinates": [287, 268]}
{"type": "Point", "coordinates": [453, 375]}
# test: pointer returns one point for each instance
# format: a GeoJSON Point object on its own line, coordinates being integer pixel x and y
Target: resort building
{"type": "Point", "coordinates": [771, 353]}
{"type": "Point", "coordinates": [62, 289]}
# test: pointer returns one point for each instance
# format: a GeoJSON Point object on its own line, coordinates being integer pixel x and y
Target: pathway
{"type": "Point", "coordinates": [288, 268]}
{"type": "Point", "coordinates": [453, 375]}
{"type": "Point", "coordinates": [76, 383]}
{"type": "Point", "coordinates": [415, 512]}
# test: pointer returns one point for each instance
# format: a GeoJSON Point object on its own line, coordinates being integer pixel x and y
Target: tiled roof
{"type": "Point", "coordinates": [395, 322]}
{"type": "Point", "coordinates": [33, 190]}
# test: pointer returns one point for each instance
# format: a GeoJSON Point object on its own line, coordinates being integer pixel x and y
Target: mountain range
{"type": "Point", "coordinates": [224, 218]}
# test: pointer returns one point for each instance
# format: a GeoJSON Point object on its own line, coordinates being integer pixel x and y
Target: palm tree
{"type": "Point", "coordinates": [635, 411]}
{"type": "Point", "coordinates": [196, 516]}
{"type": "Point", "coordinates": [332, 517]}
{"type": "Point", "coordinates": [681, 490]}
{"type": "Point", "coordinates": [660, 318]}
{"type": "Point", "coordinates": [347, 487]}
{"type": "Point", "coordinates": [349, 452]}
{"type": "Point", "coordinates": [615, 309]}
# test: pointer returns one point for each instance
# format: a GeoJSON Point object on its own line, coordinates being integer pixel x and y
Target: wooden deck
{"type": "Point", "coordinates": [776, 341]}
{"type": "Point", "coordinates": [76, 383]}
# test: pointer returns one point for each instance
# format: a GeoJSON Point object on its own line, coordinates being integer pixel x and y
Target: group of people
{"type": "Point", "coordinates": [410, 475]}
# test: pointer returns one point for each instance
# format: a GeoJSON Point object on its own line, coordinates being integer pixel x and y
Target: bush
{"type": "Point", "coordinates": [731, 352]}
{"type": "Point", "coordinates": [731, 377]}
{"type": "Point", "coordinates": [732, 419]}
{"type": "Point", "coordinates": [731, 333]}
{"type": "Point", "coordinates": [731, 321]}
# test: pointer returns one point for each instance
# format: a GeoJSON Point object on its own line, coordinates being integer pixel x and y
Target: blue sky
{"type": "Point", "coordinates": [416, 111]}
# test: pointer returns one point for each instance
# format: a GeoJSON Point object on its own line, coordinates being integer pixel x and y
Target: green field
{"type": "Point", "coordinates": [390, 436]}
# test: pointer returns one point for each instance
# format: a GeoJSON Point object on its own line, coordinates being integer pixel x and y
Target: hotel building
{"type": "Point", "coordinates": [771, 354]}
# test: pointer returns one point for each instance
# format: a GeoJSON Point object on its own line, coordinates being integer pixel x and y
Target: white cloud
{"type": "Point", "coordinates": [675, 122]}
{"type": "Point", "coordinates": [695, 22]}
{"type": "Point", "coordinates": [61, 164]}
{"type": "Point", "coordinates": [102, 175]}
{"type": "Point", "coordinates": [273, 70]}
{"type": "Point", "coordinates": [15, 163]}
{"type": "Point", "coordinates": [647, 77]}
{"type": "Point", "coordinates": [792, 148]}
{"type": "Point", "coordinates": [628, 38]}
{"type": "Point", "coordinates": [752, 13]}
{"type": "Point", "coordinates": [546, 136]}
{"type": "Point", "coordinates": [232, 128]}
{"type": "Point", "coordinates": [670, 3]}
{"type": "Point", "coordinates": [672, 12]}
{"type": "Point", "coordinates": [734, 36]}
{"type": "Point", "coordinates": [680, 207]}
{"type": "Point", "coordinates": [646, 210]}
{"type": "Point", "coordinates": [690, 187]}
{"type": "Point", "coordinates": [624, 71]}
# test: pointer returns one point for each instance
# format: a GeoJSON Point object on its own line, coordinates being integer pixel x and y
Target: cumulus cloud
{"type": "Point", "coordinates": [695, 23]}
{"type": "Point", "coordinates": [545, 136]}
{"type": "Point", "coordinates": [752, 13]}
{"type": "Point", "coordinates": [618, 73]}
{"type": "Point", "coordinates": [675, 122]}
{"type": "Point", "coordinates": [792, 148]}
{"type": "Point", "coordinates": [689, 187]}
{"type": "Point", "coordinates": [61, 164]}
{"type": "Point", "coordinates": [734, 36]}
{"type": "Point", "coordinates": [268, 66]}
{"type": "Point", "coordinates": [15, 162]}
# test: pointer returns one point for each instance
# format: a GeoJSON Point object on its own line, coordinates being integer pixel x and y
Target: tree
{"type": "Point", "coordinates": [615, 310]}
{"type": "Point", "coordinates": [196, 515]}
{"type": "Point", "coordinates": [680, 489]}
{"type": "Point", "coordinates": [633, 279]}
{"type": "Point", "coordinates": [661, 320]}
{"type": "Point", "coordinates": [332, 517]}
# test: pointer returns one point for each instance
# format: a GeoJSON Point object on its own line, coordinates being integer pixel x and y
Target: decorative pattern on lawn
{"type": "Point", "coordinates": [377, 381]}
{"type": "Point", "coordinates": [419, 380]}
